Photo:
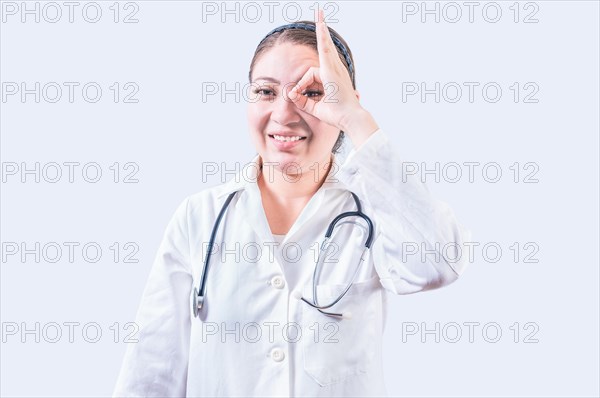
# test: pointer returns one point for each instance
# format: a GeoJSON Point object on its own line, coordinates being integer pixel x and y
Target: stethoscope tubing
{"type": "Point", "coordinates": [211, 243]}
{"type": "Point", "coordinates": [198, 298]}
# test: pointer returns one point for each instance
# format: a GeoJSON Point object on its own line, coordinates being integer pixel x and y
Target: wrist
{"type": "Point", "coordinates": [359, 126]}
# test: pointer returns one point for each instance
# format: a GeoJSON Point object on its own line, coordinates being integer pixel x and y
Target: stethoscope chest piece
{"type": "Point", "coordinates": [197, 302]}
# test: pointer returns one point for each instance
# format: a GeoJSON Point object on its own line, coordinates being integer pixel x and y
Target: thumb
{"type": "Point", "coordinates": [302, 102]}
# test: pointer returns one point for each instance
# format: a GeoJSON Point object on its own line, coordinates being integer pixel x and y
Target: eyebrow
{"type": "Point", "coordinates": [273, 80]}
{"type": "Point", "coordinates": [269, 79]}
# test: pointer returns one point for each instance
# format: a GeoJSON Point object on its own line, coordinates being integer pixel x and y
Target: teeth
{"type": "Point", "coordinates": [286, 139]}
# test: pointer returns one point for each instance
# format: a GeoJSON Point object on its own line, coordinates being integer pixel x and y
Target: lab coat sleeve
{"type": "Point", "coordinates": [156, 366]}
{"type": "Point", "coordinates": [413, 230]}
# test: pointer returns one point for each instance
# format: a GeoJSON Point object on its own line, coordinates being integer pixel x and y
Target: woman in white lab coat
{"type": "Point", "coordinates": [256, 334]}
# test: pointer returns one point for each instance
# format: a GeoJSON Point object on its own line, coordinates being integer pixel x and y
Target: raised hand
{"type": "Point", "coordinates": [339, 106]}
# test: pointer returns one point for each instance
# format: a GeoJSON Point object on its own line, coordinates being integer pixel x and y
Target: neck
{"type": "Point", "coordinates": [292, 187]}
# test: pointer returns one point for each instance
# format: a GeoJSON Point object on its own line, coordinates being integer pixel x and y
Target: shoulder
{"type": "Point", "coordinates": [208, 201]}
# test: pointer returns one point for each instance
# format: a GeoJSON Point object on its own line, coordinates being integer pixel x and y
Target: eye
{"type": "Point", "coordinates": [312, 93]}
{"type": "Point", "coordinates": [264, 91]}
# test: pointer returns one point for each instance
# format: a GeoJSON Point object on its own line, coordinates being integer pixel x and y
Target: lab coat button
{"type": "Point", "coordinates": [277, 282]}
{"type": "Point", "coordinates": [277, 354]}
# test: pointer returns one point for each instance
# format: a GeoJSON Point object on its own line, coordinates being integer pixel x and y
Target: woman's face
{"type": "Point", "coordinates": [281, 132]}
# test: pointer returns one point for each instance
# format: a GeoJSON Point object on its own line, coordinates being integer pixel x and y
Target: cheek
{"type": "Point", "coordinates": [257, 118]}
{"type": "Point", "coordinates": [325, 136]}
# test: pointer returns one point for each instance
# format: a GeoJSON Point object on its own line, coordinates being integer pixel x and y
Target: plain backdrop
{"type": "Point", "coordinates": [541, 292]}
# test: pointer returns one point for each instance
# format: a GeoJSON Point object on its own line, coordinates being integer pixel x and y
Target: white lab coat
{"type": "Point", "coordinates": [253, 337]}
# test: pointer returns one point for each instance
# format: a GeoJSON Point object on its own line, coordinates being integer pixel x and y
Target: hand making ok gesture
{"type": "Point", "coordinates": [339, 107]}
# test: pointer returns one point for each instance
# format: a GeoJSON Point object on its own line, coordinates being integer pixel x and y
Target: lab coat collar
{"type": "Point", "coordinates": [250, 198]}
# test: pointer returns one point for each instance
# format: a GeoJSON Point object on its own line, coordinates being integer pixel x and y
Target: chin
{"type": "Point", "coordinates": [283, 161]}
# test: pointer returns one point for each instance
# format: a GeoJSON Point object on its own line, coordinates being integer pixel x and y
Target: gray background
{"type": "Point", "coordinates": [170, 132]}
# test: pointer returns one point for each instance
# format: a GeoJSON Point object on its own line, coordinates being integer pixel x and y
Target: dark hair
{"type": "Point", "coordinates": [307, 38]}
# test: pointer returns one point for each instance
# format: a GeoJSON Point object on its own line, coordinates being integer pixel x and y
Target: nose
{"type": "Point", "coordinates": [284, 111]}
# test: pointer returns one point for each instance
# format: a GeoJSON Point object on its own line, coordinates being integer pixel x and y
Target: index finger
{"type": "Point", "coordinates": [325, 47]}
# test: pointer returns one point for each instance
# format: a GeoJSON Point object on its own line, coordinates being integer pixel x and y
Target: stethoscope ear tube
{"type": "Point", "coordinates": [353, 214]}
{"type": "Point", "coordinates": [336, 314]}
{"type": "Point", "coordinates": [330, 228]}
{"type": "Point", "coordinates": [315, 303]}
{"type": "Point", "coordinates": [198, 298]}
{"type": "Point", "coordinates": [357, 213]}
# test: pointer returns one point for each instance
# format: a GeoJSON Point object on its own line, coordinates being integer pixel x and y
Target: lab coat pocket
{"type": "Point", "coordinates": [337, 348]}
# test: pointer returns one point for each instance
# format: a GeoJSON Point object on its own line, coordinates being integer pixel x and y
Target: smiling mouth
{"type": "Point", "coordinates": [283, 138]}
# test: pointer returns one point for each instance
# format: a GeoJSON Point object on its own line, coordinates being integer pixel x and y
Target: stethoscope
{"type": "Point", "coordinates": [199, 293]}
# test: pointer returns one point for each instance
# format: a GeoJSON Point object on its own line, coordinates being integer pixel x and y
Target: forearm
{"type": "Point", "coordinates": [359, 126]}
{"type": "Point", "coordinates": [410, 222]}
